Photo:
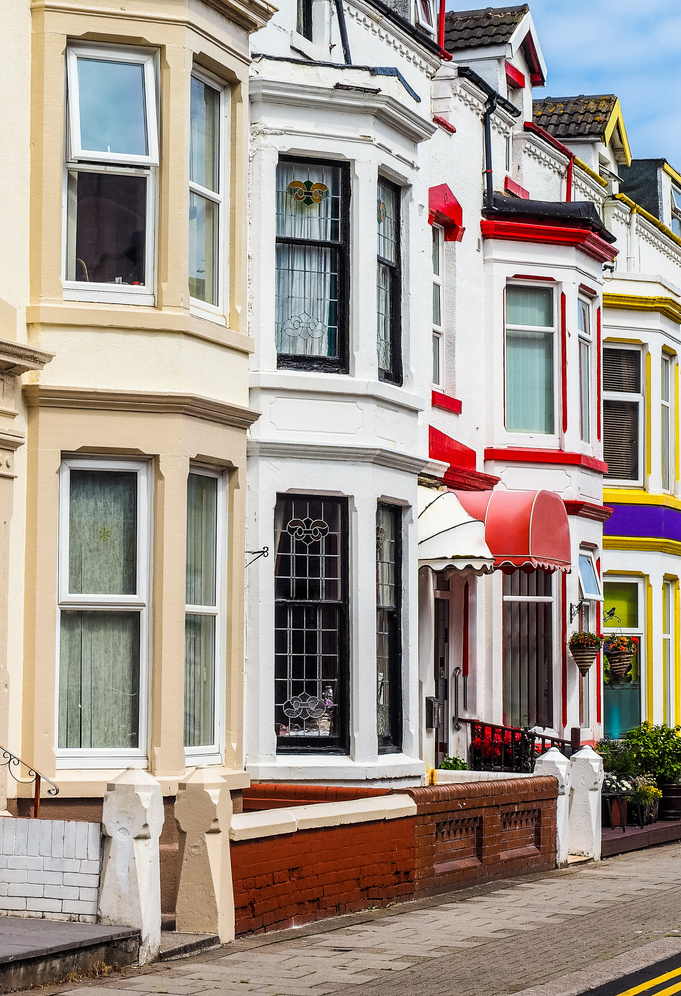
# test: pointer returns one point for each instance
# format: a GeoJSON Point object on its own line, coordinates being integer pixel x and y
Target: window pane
{"type": "Point", "coordinates": [529, 382]}
{"type": "Point", "coordinates": [665, 378]}
{"type": "Point", "coordinates": [664, 415]}
{"type": "Point", "coordinates": [529, 306]}
{"type": "Point", "coordinates": [620, 439]}
{"type": "Point", "coordinates": [622, 370]}
{"type": "Point", "coordinates": [102, 533]}
{"type": "Point", "coordinates": [307, 300]}
{"type": "Point", "coordinates": [199, 681]}
{"type": "Point", "coordinates": [203, 249]}
{"type": "Point", "coordinates": [623, 598]}
{"type": "Point", "coordinates": [388, 657]}
{"type": "Point", "coordinates": [583, 321]}
{"type": "Point", "coordinates": [587, 576]}
{"type": "Point", "coordinates": [112, 107]}
{"type": "Point", "coordinates": [308, 202]}
{"type": "Point", "coordinates": [436, 251]}
{"type": "Point", "coordinates": [437, 306]}
{"type": "Point", "coordinates": [584, 391]}
{"type": "Point", "coordinates": [205, 135]}
{"type": "Point", "coordinates": [99, 669]}
{"type": "Point", "coordinates": [384, 288]}
{"type": "Point", "coordinates": [387, 219]}
{"type": "Point", "coordinates": [202, 500]}
{"type": "Point", "coordinates": [676, 195]}
{"type": "Point", "coordinates": [107, 228]}
{"type": "Point", "coordinates": [436, 359]}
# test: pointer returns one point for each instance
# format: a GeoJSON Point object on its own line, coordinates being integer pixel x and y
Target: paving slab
{"type": "Point", "coordinates": [31, 937]}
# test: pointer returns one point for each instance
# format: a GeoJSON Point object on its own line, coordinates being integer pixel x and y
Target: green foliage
{"type": "Point", "coordinates": [584, 639]}
{"type": "Point", "coordinates": [453, 764]}
{"type": "Point", "coordinates": [619, 758]}
{"type": "Point", "coordinates": [657, 750]}
{"type": "Point", "coordinates": [645, 791]}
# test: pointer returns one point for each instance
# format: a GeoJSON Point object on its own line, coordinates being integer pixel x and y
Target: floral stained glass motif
{"type": "Point", "coordinates": [308, 192]}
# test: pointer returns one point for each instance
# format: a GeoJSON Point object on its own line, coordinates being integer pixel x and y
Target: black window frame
{"type": "Point", "coordinates": [394, 375]}
{"type": "Point", "coordinates": [392, 743]}
{"type": "Point", "coordinates": [304, 19]}
{"type": "Point", "coordinates": [340, 363]}
{"type": "Point", "coordinates": [339, 744]}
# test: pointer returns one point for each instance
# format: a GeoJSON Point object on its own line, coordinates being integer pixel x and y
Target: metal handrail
{"type": "Point", "coordinates": [8, 759]}
{"type": "Point", "coordinates": [511, 748]}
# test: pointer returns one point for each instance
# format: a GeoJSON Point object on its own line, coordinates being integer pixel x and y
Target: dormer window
{"type": "Point", "coordinates": [676, 211]}
{"type": "Point", "coordinates": [425, 14]}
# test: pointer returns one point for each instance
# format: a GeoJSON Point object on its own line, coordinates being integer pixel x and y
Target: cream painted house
{"type": "Point", "coordinates": [124, 388]}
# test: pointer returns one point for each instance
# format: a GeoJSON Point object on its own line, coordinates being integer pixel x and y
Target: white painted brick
{"type": "Point", "coordinates": [3, 861]}
{"type": "Point", "coordinates": [45, 846]}
{"type": "Point", "coordinates": [57, 847]}
{"type": "Point", "coordinates": [8, 835]}
{"type": "Point", "coordinates": [3, 888]}
{"type": "Point", "coordinates": [34, 837]}
{"type": "Point", "coordinates": [89, 867]}
{"type": "Point", "coordinates": [94, 837]}
{"type": "Point", "coordinates": [45, 878]}
{"type": "Point", "coordinates": [21, 837]}
{"type": "Point", "coordinates": [69, 839]}
{"type": "Point", "coordinates": [24, 889]}
{"type": "Point", "coordinates": [80, 907]}
{"type": "Point", "coordinates": [44, 905]}
{"type": "Point", "coordinates": [13, 903]}
{"type": "Point", "coordinates": [2, 829]}
{"type": "Point", "coordinates": [83, 881]}
{"type": "Point", "coordinates": [89, 895]}
{"type": "Point", "coordinates": [24, 861]}
{"type": "Point", "coordinates": [14, 875]}
{"type": "Point", "coordinates": [62, 864]}
{"type": "Point", "coordinates": [81, 839]}
{"type": "Point", "coordinates": [60, 892]}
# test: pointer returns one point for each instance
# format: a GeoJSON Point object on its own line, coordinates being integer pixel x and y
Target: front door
{"type": "Point", "coordinates": [442, 678]}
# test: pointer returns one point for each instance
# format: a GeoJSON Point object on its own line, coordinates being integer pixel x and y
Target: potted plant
{"type": "Point", "coordinates": [645, 799]}
{"type": "Point", "coordinates": [621, 767]}
{"type": "Point", "coordinates": [584, 648]}
{"type": "Point", "coordinates": [658, 752]}
{"type": "Point", "coordinates": [619, 650]}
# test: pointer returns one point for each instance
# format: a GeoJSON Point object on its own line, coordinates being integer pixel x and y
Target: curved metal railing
{"type": "Point", "coordinates": [14, 765]}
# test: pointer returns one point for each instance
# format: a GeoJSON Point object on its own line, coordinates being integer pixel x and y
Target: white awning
{"type": "Point", "coordinates": [449, 538]}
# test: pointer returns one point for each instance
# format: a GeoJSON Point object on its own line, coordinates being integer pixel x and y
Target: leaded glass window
{"type": "Point", "coordinates": [310, 623]}
{"type": "Point", "coordinates": [311, 269]}
{"type": "Point", "coordinates": [388, 635]}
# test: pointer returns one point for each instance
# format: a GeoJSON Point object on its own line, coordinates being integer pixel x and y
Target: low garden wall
{"type": "Point", "coordinates": [297, 864]}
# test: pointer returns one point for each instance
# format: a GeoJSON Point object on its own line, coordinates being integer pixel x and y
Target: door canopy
{"type": "Point", "coordinates": [449, 538]}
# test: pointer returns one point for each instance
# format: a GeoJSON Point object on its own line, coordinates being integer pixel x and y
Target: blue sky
{"type": "Point", "coordinates": [628, 47]}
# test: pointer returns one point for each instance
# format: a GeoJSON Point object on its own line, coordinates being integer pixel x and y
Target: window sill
{"type": "Point", "coordinates": [305, 767]}
{"type": "Point", "coordinates": [314, 382]}
{"type": "Point", "coordinates": [86, 783]}
{"type": "Point", "coordinates": [99, 296]}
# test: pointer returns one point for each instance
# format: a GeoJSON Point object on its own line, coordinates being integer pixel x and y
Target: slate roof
{"type": "Point", "coordinates": [574, 117]}
{"type": "Point", "coordinates": [477, 28]}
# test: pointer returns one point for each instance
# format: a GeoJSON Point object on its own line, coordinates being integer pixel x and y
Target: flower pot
{"type": "Point", "coordinates": [670, 803]}
{"type": "Point", "coordinates": [620, 663]}
{"type": "Point", "coordinates": [584, 657]}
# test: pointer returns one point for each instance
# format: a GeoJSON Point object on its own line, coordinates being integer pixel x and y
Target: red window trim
{"type": "Point", "coordinates": [589, 291]}
{"type": "Point", "coordinates": [550, 235]}
{"type": "Point", "coordinates": [588, 510]}
{"type": "Point", "coordinates": [526, 454]}
{"type": "Point", "coordinates": [599, 632]}
{"type": "Point", "coordinates": [527, 276]}
{"type": "Point", "coordinates": [599, 374]}
{"type": "Point", "coordinates": [515, 189]}
{"type": "Point", "coordinates": [514, 78]}
{"type": "Point", "coordinates": [563, 359]}
{"type": "Point", "coordinates": [441, 400]}
{"type": "Point", "coordinates": [444, 123]}
{"type": "Point", "coordinates": [563, 644]}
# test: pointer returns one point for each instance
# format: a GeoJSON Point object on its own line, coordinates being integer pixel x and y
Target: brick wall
{"type": "Point", "coordinates": [481, 831]}
{"type": "Point", "coordinates": [460, 835]}
{"type": "Point", "coordinates": [49, 868]}
{"type": "Point", "coordinates": [277, 795]}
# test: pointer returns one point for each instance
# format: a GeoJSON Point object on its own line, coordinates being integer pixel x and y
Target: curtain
{"type": "Point", "coordinates": [529, 382]}
{"type": "Point", "coordinates": [103, 533]}
{"type": "Point", "coordinates": [307, 284]}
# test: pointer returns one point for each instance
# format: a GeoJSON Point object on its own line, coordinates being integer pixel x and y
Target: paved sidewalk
{"type": "Point", "coordinates": [553, 934]}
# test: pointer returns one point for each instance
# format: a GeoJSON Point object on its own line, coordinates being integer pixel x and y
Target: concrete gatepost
{"type": "Point", "coordinates": [130, 893]}
{"type": "Point", "coordinates": [205, 898]}
{"type": "Point", "coordinates": [586, 779]}
{"type": "Point", "coordinates": [557, 764]}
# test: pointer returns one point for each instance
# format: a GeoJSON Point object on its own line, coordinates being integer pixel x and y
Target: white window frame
{"type": "Point", "coordinates": [77, 159]}
{"type": "Point", "coordinates": [589, 596]}
{"type": "Point", "coordinates": [220, 198]}
{"type": "Point", "coordinates": [438, 330]}
{"type": "Point", "coordinates": [638, 631]}
{"type": "Point", "coordinates": [675, 221]}
{"type": "Point", "coordinates": [640, 400]}
{"type": "Point", "coordinates": [430, 24]}
{"type": "Point", "coordinates": [585, 378]}
{"type": "Point", "coordinates": [667, 364]}
{"type": "Point", "coordinates": [96, 757]}
{"type": "Point", "coordinates": [212, 753]}
{"type": "Point", "coordinates": [544, 439]}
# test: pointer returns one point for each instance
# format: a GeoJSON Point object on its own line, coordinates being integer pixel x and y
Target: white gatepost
{"type": "Point", "coordinates": [557, 764]}
{"type": "Point", "coordinates": [205, 897]}
{"type": "Point", "coordinates": [586, 779]}
{"type": "Point", "coordinates": [130, 893]}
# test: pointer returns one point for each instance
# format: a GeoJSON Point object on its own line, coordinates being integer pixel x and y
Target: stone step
{"type": "Point", "coordinates": [175, 945]}
{"type": "Point", "coordinates": [37, 952]}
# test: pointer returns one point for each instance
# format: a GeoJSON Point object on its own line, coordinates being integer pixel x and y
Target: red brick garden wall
{"type": "Point", "coordinates": [278, 795]}
{"type": "Point", "coordinates": [461, 835]}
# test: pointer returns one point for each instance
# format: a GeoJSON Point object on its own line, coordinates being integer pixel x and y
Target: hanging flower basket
{"type": "Point", "coordinates": [620, 663]}
{"type": "Point", "coordinates": [584, 657]}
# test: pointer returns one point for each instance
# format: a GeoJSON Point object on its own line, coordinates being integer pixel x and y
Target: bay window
{"type": "Point", "coordinates": [438, 310]}
{"type": "Point", "coordinates": [528, 649]}
{"type": "Point", "coordinates": [112, 155]}
{"type": "Point", "coordinates": [312, 264]}
{"type": "Point", "coordinates": [389, 282]}
{"type": "Point", "coordinates": [623, 414]}
{"type": "Point", "coordinates": [388, 627]}
{"type": "Point", "coordinates": [530, 331]}
{"type": "Point", "coordinates": [666, 430]}
{"type": "Point", "coordinates": [623, 613]}
{"type": "Point", "coordinates": [311, 624]}
{"type": "Point", "coordinates": [203, 629]}
{"type": "Point", "coordinates": [103, 606]}
{"type": "Point", "coordinates": [205, 192]}
{"type": "Point", "coordinates": [584, 327]}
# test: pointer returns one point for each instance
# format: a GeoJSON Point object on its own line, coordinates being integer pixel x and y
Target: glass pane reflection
{"type": "Point", "coordinates": [112, 107]}
{"type": "Point", "coordinates": [107, 236]}
{"type": "Point", "coordinates": [203, 232]}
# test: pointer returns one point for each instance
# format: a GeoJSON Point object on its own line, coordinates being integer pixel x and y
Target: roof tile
{"type": "Point", "coordinates": [478, 28]}
{"type": "Point", "coordinates": [574, 117]}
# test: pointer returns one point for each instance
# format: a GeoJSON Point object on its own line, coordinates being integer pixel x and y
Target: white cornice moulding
{"type": "Point", "coordinates": [383, 107]}
{"type": "Point", "coordinates": [16, 359]}
{"type": "Point", "coordinates": [324, 384]}
{"type": "Point", "coordinates": [276, 449]}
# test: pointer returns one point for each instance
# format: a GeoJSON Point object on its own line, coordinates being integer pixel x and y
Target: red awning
{"type": "Point", "coordinates": [523, 529]}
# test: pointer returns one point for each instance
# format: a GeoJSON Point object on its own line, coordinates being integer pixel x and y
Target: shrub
{"type": "Point", "coordinates": [657, 750]}
{"type": "Point", "coordinates": [453, 764]}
